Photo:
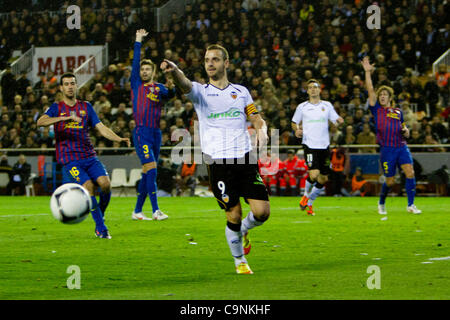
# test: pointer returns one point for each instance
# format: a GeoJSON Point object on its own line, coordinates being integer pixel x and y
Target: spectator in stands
{"type": "Point", "coordinates": [442, 78]}
{"type": "Point", "coordinates": [429, 139]}
{"type": "Point", "coordinates": [9, 86]}
{"type": "Point", "coordinates": [4, 165]}
{"type": "Point", "coordinates": [359, 185]}
{"type": "Point", "coordinates": [20, 174]}
{"type": "Point", "coordinates": [439, 129]}
{"type": "Point", "coordinates": [366, 137]}
{"type": "Point", "coordinates": [166, 176]}
{"type": "Point", "coordinates": [186, 177]}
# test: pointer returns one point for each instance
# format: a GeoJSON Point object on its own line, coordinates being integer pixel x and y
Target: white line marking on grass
{"type": "Point", "coordinates": [441, 258]}
{"type": "Point", "coordinates": [23, 215]}
{"type": "Point", "coordinates": [427, 262]}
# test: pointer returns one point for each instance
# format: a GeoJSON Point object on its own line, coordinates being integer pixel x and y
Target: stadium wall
{"type": "Point", "coordinates": [368, 162]}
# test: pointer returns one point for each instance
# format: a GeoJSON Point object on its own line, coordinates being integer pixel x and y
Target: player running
{"type": "Point", "coordinates": [314, 115]}
{"type": "Point", "coordinates": [148, 98]}
{"type": "Point", "coordinates": [391, 133]}
{"type": "Point", "coordinates": [222, 109]}
{"type": "Point", "coordinates": [72, 120]}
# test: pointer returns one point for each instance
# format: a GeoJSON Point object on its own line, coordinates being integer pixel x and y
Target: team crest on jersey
{"type": "Point", "coordinates": [323, 109]}
{"type": "Point", "coordinates": [152, 96]}
{"type": "Point", "coordinates": [225, 198]}
{"type": "Point", "coordinates": [82, 112]}
{"type": "Point", "coordinates": [233, 94]}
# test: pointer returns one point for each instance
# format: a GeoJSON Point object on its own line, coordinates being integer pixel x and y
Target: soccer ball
{"type": "Point", "coordinates": [70, 203]}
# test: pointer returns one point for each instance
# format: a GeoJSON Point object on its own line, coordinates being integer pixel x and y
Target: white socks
{"type": "Point", "coordinates": [314, 194]}
{"type": "Point", "coordinates": [249, 222]}
{"type": "Point", "coordinates": [308, 186]}
{"type": "Point", "coordinates": [234, 239]}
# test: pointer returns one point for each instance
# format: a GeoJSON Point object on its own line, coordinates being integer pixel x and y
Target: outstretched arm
{"type": "Point", "coordinates": [368, 69]}
{"type": "Point", "coordinates": [181, 81]}
{"type": "Point", "coordinates": [110, 135]}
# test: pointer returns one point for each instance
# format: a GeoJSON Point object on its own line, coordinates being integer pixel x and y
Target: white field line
{"type": "Point", "coordinates": [441, 258]}
{"type": "Point", "coordinates": [23, 215]}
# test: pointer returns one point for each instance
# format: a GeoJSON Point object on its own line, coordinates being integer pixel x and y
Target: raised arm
{"type": "Point", "coordinates": [135, 67]}
{"type": "Point", "coordinates": [368, 69]}
{"type": "Point", "coordinates": [181, 81]}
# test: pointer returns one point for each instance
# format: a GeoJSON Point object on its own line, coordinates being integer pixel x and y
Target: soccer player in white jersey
{"type": "Point", "coordinates": [310, 121]}
{"type": "Point", "coordinates": [222, 109]}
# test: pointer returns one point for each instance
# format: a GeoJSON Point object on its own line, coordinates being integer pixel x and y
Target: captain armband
{"type": "Point", "coordinates": [251, 109]}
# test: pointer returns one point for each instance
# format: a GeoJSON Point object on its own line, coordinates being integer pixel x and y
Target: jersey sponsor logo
{"type": "Point", "coordinates": [320, 120]}
{"type": "Point", "coordinates": [73, 125]}
{"type": "Point", "coordinates": [229, 114]}
{"type": "Point", "coordinates": [233, 94]}
{"type": "Point", "coordinates": [393, 115]}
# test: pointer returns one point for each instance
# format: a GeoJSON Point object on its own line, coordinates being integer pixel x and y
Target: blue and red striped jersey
{"type": "Point", "coordinates": [72, 138]}
{"type": "Point", "coordinates": [388, 124]}
{"type": "Point", "coordinates": [148, 99]}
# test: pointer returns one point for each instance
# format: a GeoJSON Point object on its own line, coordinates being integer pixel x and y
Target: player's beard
{"type": "Point", "coordinates": [147, 78]}
{"type": "Point", "coordinates": [70, 96]}
{"type": "Point", "coordinates": [219, 74]}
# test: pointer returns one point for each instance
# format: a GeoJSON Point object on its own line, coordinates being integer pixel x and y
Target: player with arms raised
{"type": "Point", "coordinates": [72, 120]}
{"type": "Point", "coordinates": [314, 116]}
{"type": "Point", "coordinates": [391, 133]}
{"type": "Point", "coordinates": [222, 109]}
{"type": "Point", "coordinates": [148, 98]}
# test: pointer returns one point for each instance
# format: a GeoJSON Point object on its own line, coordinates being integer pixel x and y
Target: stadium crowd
{"type": "Point", "coordinates": [275, 46]}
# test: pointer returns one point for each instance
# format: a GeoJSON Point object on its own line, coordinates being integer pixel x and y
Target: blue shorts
{"type": "Point", "coordinates": [147, 142]}
{"type": "Point", "coordinates": [83, 170]}
{"type": "Point", "coordinates": [391, 157]}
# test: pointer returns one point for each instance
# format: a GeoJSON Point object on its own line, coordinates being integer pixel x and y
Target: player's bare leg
{"type": "Point", "coordinates": [410, 187]}
{"type": "Point", "coordinates": [259, 213]}
{"type": "Point", "coordinates": [233, 235]}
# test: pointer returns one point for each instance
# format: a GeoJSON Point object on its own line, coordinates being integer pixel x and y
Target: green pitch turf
{"type": "Point", "coordinates": [294, 256]}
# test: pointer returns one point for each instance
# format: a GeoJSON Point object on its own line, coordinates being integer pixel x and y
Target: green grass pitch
{"type": "Point", "coordinates": [294, 256]}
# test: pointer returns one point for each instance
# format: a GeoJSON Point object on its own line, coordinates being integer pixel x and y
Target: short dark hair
{"type": "Point", "coordinates": [147, 61]}
{"type": "Point", "coordinates": [67, 75]}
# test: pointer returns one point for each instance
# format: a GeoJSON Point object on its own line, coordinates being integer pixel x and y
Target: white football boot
{"type": "Point", "coordinates": [382, 209]}
{"type": "Point", "coordinates": [139, 216]}
{"type": "Point", "coordinates": [158, 215]}
{"type": "Point", "coordinates": [413, 209]}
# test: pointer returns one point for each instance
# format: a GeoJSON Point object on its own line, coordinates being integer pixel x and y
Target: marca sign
{"type": "Point", "coordinates": [64, 59]}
